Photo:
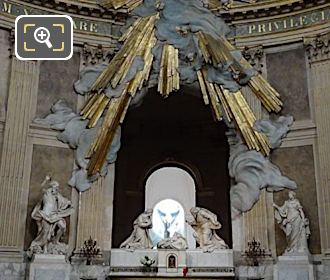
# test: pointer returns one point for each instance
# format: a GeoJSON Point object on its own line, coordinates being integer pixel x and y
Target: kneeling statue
{"type": "Point", "coordinates": [140, 238]}
{"type": "Point", "coordinates": [49, 214]}
{"type": "Point", "coordinates": [176, 242]}
{"type": "Point", "coordinates": [204, 223]}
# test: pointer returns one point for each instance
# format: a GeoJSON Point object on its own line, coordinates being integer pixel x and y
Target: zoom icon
{"type": "Point", "coordinates": [44, 37]}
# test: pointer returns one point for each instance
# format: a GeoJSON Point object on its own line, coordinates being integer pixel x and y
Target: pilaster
{"type": "Point", "coordinates": [15, 154]}
{"type": "Point", "coordinates": [95, 212]}
{"type": "Point", "coordinates": [318, 51]}
{"type": "Point", "coordinates": [258, 222]}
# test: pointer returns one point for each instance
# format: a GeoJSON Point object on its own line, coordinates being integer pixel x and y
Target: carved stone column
{"type": "Point", "coordinates": [318, 51]}
{"type": "Point", "coordinates": [15, 154]}
{"type": "Point", "coordinates": [258, 223]}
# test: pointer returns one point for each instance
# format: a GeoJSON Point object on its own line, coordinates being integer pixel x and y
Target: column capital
{"type": "Point", "coordinates": [11, 40]}
{"type": "Point", "coordinates": [318, 47]}
{"type": "Point", "coordinates": [95, 54]}
{"type": "Point", "coordinates": [255, 56]}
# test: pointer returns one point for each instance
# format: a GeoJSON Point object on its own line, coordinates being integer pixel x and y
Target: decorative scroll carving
{"type": "Point", "coordinates": [318, 48]}
{"type": "Point", "coordinates": [11, 39]}
{"type": "Point", "coordinates": [96, 54]}
{"type": "Point", "coordinates": [255, 56]}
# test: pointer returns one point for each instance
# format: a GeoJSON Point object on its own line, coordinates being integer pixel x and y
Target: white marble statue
{"type": "Point", "coordinates": [291, 219]}
{"type": "Point", "coordinates": [140, 238]}
{"type": "Point", "coordinates": [204, 223]}
{"type": "Point", "coordinates": [176, 242]}
{"type": "Point", "coordinates": [49, 214]}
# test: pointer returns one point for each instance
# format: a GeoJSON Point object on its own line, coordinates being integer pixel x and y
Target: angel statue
{"type": "Point", "coordinates": [291, 219]}
{"type": "Point", "coordinates": [205, 223]}
{"type": "Point", "coordinates": [50, 213]}
{"type": "Point", "coordinates": [140, 238]}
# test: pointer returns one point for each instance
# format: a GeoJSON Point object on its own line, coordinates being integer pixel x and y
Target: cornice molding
{"type": "Point", "coordinates": [259, 9]}
{"type": "Point", "coordinates": [80, 8]}
{"type": "Point", "coordinates": [264, 9]}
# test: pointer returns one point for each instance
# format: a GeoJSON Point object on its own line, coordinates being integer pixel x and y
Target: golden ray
{"type": "Point", "coordinates": [169, 78]}
{"type": "Point", "coordinates": [234, 106]}
{"type": "Point", "coordinates": [117, 4]}
{"type": "Point", "coordinates": [138, 42]}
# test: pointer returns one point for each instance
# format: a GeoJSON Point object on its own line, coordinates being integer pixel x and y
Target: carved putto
{"type": "Point", "coordinates": [291, 219]}
{"type": "Point", "coordinates": [49, 214]}
{"type": "Point", "coordinates": [205, 224]}
{"type": "Point", "coordinates": [176, 242]}
{"type": "Point", "coordinates": [140, 238]}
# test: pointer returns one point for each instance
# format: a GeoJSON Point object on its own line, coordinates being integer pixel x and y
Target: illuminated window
{"type": "Point", "coordinates": [168, 217]}
{"type": "Point", "coordinates": [169, 189]}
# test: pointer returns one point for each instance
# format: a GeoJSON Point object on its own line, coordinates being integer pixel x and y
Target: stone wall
{"type": "Point", "coordinates": [298, 164]}
{"type": "Point", "coordinates": [56, 82]}
{"type": "Point", "coordinates": [286, 71]}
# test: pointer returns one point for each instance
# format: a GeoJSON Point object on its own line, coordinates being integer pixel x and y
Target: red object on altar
{"type": "Point", "coordinates": [185, 271]}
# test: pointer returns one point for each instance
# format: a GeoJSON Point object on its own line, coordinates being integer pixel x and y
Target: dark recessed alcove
{"type": "Point", "coordinates": [177, 131]}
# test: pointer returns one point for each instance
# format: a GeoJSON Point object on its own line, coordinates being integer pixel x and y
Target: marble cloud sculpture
{"type": "Point", "coordinates": [73, 131]}
{"type": "Point", "coordinates": [252, 171]}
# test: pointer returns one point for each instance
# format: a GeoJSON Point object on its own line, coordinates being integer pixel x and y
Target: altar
{"type": "Point", "coordinates": [172, 263]}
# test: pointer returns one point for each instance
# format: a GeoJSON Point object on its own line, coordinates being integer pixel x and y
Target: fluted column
{"type": "Point", "coordinates": [13, 188]}
{"type": "Point", "coordinates": [95, 212]}
{"type": "Point", "coordinates": [95, 206]}
{"type": "Point", "coordinates": [258, 222]}
{"type": "Point", "coordinates": [318, 51]}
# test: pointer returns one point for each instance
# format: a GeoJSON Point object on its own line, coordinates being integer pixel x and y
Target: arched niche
{"type": "Point", "coordinates": [171, 192]}
{"type": "Point", "coordinates": [178, 131]}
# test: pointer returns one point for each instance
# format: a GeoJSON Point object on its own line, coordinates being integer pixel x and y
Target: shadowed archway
{"type": "Point", "coordinates": [177, 131]}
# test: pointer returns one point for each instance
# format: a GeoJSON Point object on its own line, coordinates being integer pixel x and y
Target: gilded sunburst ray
{"type": "Point", "coordinates": [213, 54]}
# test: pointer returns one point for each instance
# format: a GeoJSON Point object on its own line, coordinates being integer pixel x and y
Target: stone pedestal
{"type": "Point", "coordinates": [291, 267]}
{"type": "Point", "coordinates": [126, 263]}
{"type": "Point", "coordinates": [255, 272]}
{"type": "Point", "coordinates": [49, 267]}
{"type": "Point", "coordinates": [219, 263]}
{"type": "Point", "coordinates": [171, 263]}
{"type": "Point", "coordinates": [89, 272]}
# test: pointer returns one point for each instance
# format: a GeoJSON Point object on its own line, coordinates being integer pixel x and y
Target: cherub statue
{"type": "Point", "coordinates": [204, 223]}
{"type": "Point", "coordinates": [140, 238]}
{"type": "Point", "coordinates": [291, 219]}
{"type": "Point", "coordinates": [49, 214]}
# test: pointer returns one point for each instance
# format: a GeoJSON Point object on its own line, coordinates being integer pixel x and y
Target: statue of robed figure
{"type": "Point", "coordinates": [49, 214]}
{"type": "Point", "coordinates": [291, 219]}
{"type": "Point", "coordinates": [205, 224]}
{"type": "Point", "coordinates": [140, 238]}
